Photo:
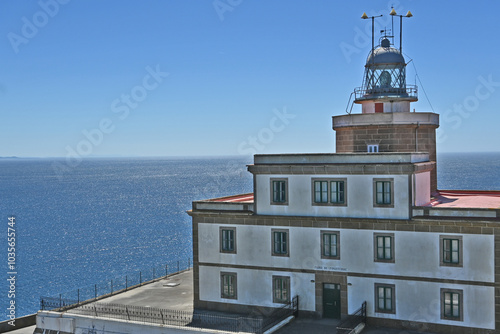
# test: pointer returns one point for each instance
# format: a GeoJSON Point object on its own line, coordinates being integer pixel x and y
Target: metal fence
{"type": "Point", "coordinates": [171, 317]}
{"type": "Point", "coordinates": [196, 319]}
{"type": "Point", "coordinates": [111, 286]}
{"type": "Point", "coordinates": [348, 324]}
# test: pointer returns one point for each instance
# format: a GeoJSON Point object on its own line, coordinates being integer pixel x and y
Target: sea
{"type": "Point", "coordinates": [101, 219]}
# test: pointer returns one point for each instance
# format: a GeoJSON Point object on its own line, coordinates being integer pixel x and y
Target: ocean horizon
{"type": "Point", "coordinates": [107, 217]}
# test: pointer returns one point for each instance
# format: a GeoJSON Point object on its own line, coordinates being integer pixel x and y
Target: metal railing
{"type": "Point", "coordinates": [347, 325]}
{"type": "Point", "coordinates": [196, 319]}
{"type": "Point", "coordinates": [109, 287]}
{"type": "Point", "coordinates": [281, 314]}
{"type": "Point", "coordinates": [409, 91]}
{"type": "Point", "coordinates": [171, 317]}
{"type": "Point", "coordinates": [149, 315]}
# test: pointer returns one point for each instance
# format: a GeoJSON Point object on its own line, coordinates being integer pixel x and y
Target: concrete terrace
{"type": "Point", "coordinates": [176, 293]}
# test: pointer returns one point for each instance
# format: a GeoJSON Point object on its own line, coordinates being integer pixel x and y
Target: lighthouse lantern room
{"type": "Point", "coordinates": [384, 87]}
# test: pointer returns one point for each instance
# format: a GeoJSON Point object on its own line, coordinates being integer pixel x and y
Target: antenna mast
{"type": "Point", "coordinates": [364, 17]}
{"type": "Point", "coordinates": [392, 24]}
{"type": "Point", "coordinates": [393, 13]}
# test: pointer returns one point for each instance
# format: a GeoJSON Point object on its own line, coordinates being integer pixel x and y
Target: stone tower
{"type": "Point", "coordinates": [386, 123]}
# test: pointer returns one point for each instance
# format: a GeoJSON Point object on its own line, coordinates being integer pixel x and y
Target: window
{"type": "Point", "coordinates": [337, 192]}
{"type": "Point", "coordinates": [452, 304]}
{"type": "Point", "coordinates": [228, 285]}
{"type": "Point", "coordinates": [384, 247]}
{"type": "Point", "coordinates": [372, 148]}
{"type": "Point", "coordinates": [329, 192]}
{"type": "Point", "coordinates": [384, 298]}
{"type": "Point", "coordinates": [281, 289]}
{"type": "Point", "coordinates": [320, 191]}
{"type": "Point", "coordinates": [280, 242]}
{"type": "Point", "coordinates": [279, 191]}
{"type": "Point", "coordinates": [383, 192]}
{"type": "Point", "coordinates": [228, 240]}
{"type": "Point", "coordinates": [450, 250]}
{"type": "Point", "coordinates": [330, 245]}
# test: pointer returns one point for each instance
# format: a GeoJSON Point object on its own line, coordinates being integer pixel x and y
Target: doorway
{"type": "Point", "coordinates": [331, 301]}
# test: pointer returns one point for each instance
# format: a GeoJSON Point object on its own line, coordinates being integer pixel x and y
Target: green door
{"type": "Point", "coordinates": [331, 301]}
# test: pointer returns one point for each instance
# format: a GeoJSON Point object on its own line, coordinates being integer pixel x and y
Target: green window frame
{"type": "Point", "coordinates": [384, 295]}
{"type": "Point", "coordinates": [280, 242]}
{"type": "Point", "coordinates": [330, 245]}
{"type": "Point", "coordinates": [383, 194]}
{"type": "Point", "coordinates": [337, 192]}
{"type": "Point", "coordinates": [451, 305]}
{"type": "Point", "coordinates": [279, 191]}
{"type": "Point", "coordinates": [281, 289]}
{"type": "Point", "coordinates": [320, 191]}
{"type": "Point", "coordinates": [384, 247]}
{"type": "Point", "coordinates": [228, 285]}
{"type": "Point", "coordinates": [228, 240]}
{"type": "Point", "coordinates": [329, 192]}
{"type": "Point", "coordinates": [451, 251]}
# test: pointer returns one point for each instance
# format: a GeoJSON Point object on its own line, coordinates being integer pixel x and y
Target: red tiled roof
{"type": "Point", "coordinates": [243, 198]}
{"type": "Point", "coordinates": [466, 199]}
{"type": "Point", "coordinates": [443, 199]}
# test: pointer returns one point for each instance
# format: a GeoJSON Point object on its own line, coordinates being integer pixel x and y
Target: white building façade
{"type": "Point", "coordinates": [364, 224]}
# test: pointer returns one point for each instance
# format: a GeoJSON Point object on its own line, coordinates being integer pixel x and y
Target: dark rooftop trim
{"type": "Point", "coordinates": [341, 158]}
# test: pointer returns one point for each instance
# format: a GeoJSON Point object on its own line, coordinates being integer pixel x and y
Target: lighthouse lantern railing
{"type": "Point", "coordinates": [409, 91]}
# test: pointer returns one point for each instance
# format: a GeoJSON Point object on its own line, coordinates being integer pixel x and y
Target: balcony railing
{"type": "Point", "coordinates": [198, 318]}
{"type": "Point", "coordinates": [150, 315]}
{"type": "Point", "coordinates": [408, 92]}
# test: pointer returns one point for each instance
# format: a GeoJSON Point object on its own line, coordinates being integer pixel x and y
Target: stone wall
{"type": "Point", "coordinates": [390, 138]}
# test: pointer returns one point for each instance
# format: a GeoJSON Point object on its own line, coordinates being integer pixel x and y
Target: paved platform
{"type": "Point", "coordinates": [176, 293]}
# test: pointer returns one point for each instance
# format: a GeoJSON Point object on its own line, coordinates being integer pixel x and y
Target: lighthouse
{"type": "Point", "coordinates": [387, 123]}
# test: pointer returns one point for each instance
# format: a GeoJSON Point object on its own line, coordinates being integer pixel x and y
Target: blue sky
{"type": "Point", "coordinates": [229, 77]}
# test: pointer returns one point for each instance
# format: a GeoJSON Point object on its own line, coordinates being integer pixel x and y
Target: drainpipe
{"type": "Point", "coordinates": [414, 176]}
{"type": "Point", "coordinates": [416, 136]}
{"type": "Point", "coordinates": [414, 181]}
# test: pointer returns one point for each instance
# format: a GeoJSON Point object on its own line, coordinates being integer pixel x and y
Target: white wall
{"type": "Point", "coordinates": [255, 287]}
{"type": "Point", "coordinates": [422, 184]}
{"type": "Point", "coordinates": [416, 253]}
{"type": "Point", "coordinates": [420, 301]}
{"type": "Point", "coordinates": [80, 324]}
{"type": "Point", "coordinates": [359, 197]}
{"type": "Point", "coordinates": [417, 256]}
{"type": "Point", "coordinates": [369, 107]}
